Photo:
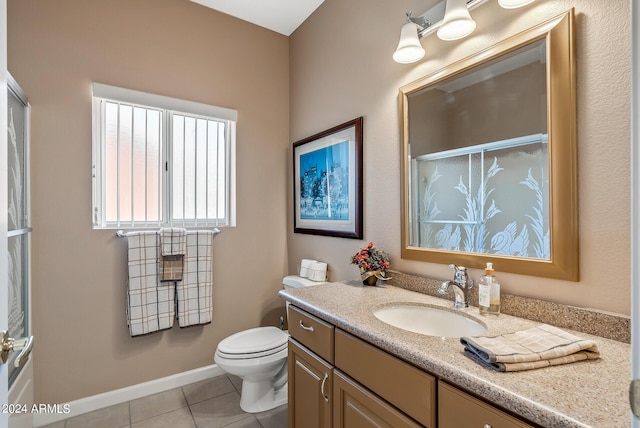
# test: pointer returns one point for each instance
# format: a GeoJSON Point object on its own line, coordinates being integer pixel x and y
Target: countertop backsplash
{"type": "Point", "coordinates": [591, 321]}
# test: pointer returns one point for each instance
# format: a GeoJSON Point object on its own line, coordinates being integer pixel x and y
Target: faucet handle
{"type": "Point", "coordinates": [457, 268]}
{"type": "Point", "coordinates": [460, 276]}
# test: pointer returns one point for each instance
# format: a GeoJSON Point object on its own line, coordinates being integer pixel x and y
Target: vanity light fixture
{"type": "Point", "coordinates": [409, 48]}
{"type": "Point", "coordinates": [452, 20]}
{"type": "Point", "coordinates": [457, 22]}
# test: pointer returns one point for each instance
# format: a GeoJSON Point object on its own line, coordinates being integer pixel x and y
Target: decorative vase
{"type": "Point", "coordinates": [369, 278]}
{"type": "Point", "coordinates": [372, 280]}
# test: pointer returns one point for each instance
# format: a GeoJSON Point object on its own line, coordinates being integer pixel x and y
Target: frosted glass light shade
{"type": "Point", "coordinates": [409, 48]}
{"type": "Point", "coordinates": [457, 22]}
{"type": "Point", "coordinates": [513, 4]}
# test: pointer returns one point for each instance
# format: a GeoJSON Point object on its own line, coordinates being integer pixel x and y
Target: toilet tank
{"type": "Point", "coordinates": [295, 281]}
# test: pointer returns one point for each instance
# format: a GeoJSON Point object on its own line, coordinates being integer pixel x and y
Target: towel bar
{"type": "Point", "coordinates": [123, 234]}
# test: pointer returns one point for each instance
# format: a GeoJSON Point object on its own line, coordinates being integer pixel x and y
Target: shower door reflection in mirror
{"type": "Point", "coordinates": [490, 198]}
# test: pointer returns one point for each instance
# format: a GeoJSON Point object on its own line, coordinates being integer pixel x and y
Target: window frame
{"type": "Point", "coordinates": [168, 107]}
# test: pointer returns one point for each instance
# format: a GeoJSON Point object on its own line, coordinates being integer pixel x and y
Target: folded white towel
{"type": "Point", "coordinates": [173, 241]}
{"type": "Point", "coordinates": [194, 292]}
{"type": "Point", "coordinates": [537, 347]}
{"type": "Point", "coordinates": [318, 271]}
{"type": "Point", "coordinates": [150, 303]}
{"type": "Point", "coordinates": [305, 265]}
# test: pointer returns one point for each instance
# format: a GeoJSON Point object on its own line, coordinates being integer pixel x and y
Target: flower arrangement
{"type": "Point", "coordinates": [372, 262]}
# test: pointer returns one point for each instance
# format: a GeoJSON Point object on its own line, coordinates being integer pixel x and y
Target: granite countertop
{"type": "Point", "coordinates": [584, 394]}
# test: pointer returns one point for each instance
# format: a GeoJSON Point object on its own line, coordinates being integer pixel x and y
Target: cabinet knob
{"type": "Point", "coordinates": [487, 426]}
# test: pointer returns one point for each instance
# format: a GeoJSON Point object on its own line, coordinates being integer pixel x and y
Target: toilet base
{"type": "Point", "coordinates": [259, 396]}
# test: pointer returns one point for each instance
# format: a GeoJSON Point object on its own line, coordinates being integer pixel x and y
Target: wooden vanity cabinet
{"type": "Point", "coordinates": [338, 380]}
{"type": "Point", "coordinates": [320, 395]}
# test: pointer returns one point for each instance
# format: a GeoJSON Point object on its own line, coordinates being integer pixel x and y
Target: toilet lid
{"type": "Point", "coordinates": [254, 341]}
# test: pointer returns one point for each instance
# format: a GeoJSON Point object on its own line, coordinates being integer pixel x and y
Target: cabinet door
{"type": "Point", "coordinates": [310, 386]}
{"type": "Point", "coordinates": [457, 409]}
{"type": "Point", "coordinates": [356, 407]}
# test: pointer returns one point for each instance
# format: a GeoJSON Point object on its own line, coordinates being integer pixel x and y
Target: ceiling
{"type": "Point", "coordinates": [282, 16]}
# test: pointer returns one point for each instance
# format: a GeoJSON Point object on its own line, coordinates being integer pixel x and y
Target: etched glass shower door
{"type": "Point", "coordinates": [487, 199]}
{"type": "Point", "coordinates": [19, 226]}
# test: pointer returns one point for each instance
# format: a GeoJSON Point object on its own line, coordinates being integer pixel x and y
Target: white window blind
{"type": "Point", "coordinates": [161, 161]}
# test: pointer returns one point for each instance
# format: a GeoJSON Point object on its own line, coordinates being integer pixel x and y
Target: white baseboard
{"type": "Point", "coordinates": [106, 399]}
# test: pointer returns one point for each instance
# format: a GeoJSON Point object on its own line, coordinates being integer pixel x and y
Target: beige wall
{"type": "Point", "coordinates": [341, 68]}
{"type": "Point", "coordinates": [174, 48]}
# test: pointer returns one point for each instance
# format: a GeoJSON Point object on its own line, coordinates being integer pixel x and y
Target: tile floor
{"type": "Point", "coordinates": [212, 403]}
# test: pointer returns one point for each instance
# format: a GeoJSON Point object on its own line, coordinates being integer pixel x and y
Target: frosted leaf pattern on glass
{"type": "Point", "coordinates": [16, 162]}
{"type": "Point", "coordinates": [18, 220]}
{"type": "Point", "coordinates": [483, 203]}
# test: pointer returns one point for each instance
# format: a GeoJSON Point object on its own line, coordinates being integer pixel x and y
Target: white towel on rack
{"type": "Point", "coordinates": [150, 303]}
{"type": "Point", "coordinates": [194, 292]}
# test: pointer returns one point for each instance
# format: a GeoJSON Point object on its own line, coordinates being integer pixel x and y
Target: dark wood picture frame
{"type": "Point", "coordinates": [327, 182]}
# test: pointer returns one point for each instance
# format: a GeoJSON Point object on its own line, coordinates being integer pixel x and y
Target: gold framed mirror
{"type": "Point", "coordinates": [489, 157]}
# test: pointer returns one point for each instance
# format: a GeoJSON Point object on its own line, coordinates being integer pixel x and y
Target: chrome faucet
{"type": "Point", "coordinates": [461, 285]}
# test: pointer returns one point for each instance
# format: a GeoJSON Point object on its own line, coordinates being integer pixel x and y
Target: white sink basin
{"type": "Point", "coordinates": [429, 320]}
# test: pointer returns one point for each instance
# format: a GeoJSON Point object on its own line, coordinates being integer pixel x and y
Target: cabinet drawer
{"type": "Point", "coordinates": [406, 387]}
{"type": "Point", "coordinates": [312, 332]}
{"type": "Point", "coordinates": [457, 409]}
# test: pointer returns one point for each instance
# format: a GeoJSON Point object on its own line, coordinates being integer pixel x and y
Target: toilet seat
{"type": "Point", "coordinates": [253, 343]}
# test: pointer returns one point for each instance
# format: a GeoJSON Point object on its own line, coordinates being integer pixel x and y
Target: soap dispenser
{"type": "Point", "coordinates": [489, 293]}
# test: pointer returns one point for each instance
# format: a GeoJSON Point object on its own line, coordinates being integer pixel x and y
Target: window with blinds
{"type": "Point", "coordinates": [160, 161]}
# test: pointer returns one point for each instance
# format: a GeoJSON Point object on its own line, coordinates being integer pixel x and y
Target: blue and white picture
{"type": "Point", "coordinates": [327, 182]}
{"type": "Point", "coordinates": [324, 183]}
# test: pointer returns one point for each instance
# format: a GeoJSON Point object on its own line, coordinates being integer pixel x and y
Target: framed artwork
{"type": "Point", "coordinates": [327, 182]}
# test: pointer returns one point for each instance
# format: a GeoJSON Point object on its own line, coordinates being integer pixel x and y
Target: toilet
{"type": "Point", "coordinates": [259, 357]}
